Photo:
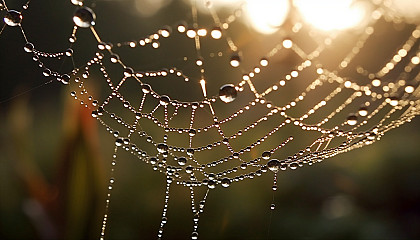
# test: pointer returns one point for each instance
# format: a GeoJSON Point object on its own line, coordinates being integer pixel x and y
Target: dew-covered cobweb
{"type": "Point", "coordinates": [228, 104]}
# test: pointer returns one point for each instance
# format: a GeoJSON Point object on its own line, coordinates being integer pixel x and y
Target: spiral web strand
{"type": "Point", "coordinates": [217, 141]}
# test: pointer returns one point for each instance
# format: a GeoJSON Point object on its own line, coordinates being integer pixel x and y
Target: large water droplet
{"type": "Point", "coordinates": [228, 93]}
{"type": "Point", "coordinates": [162, 147]}
{"type": "Point", "coordinates": [84, 17]}
{"type": "Point", "coordinates": [119, 142]}
{"type": "Point", "coordinates": [164, 100]}
{"type": "Point", "coordinates": [146, 88]}
{"type": "Point", "coordinates": [13, 18]}
{"type": "Point", "coordinates": [273, 165]}
{"type": "Point", "coordinates": [225, 182]}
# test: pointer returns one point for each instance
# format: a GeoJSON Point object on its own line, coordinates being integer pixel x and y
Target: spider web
{"type": "Point", "coordinates": [224, 112]}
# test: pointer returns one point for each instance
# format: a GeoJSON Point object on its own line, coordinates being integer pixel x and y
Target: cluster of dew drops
{"type": "Point", "coordinates": [84, 17]}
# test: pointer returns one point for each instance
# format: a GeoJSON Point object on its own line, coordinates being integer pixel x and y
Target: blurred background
{"type": "Point", "coordinates": [55, 158]}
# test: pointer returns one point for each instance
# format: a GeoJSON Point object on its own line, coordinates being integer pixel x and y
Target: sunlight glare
{"type": "Point", "coordinates": [409, 9]}
{"type": "Point", "coordinates": [266, 16]}
{"type": "Point", "coordinates": [330, 15]}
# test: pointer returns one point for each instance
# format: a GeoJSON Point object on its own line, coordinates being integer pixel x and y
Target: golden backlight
{"type": "Point", "coordinates": [331, 15]}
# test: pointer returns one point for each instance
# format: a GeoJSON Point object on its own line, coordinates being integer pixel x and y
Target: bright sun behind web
{"type": "Point", "coordinates": [330, 15]}
{"type": "Point", "coordinates": [266, 16]}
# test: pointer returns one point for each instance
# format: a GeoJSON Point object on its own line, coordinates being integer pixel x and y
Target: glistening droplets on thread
{"type": "Point", "coordinates": [370, 107]}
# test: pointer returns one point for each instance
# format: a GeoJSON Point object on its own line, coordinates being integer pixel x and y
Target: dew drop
{"type": "Point", "coordinates": [352, 120]}
{"type": "Point", "coordinates": [29, 47]}
{"type": "Point", "coordinates": [283, 167]}
{"type": "Point", "coordinates": [273, 165]}
{"type": "Point", "coordinates": [393, 101]}
{"type": "Point", "coordinates": [190, 152]}
{"type": "Point", "coordinates": [114, 58]}
{"type": "Point", "coordinates": [273, 206]}
{"type": "Point", "coordinates": [72, 39]}
{"type": "Point", "coordinates": [164, 100]}
{"type": "Point", "coordinates": [47, 72]}
{"type": "Point", "coordinates": [162, 147]}
{"type": "Point", "coordinates": [216, 33]}
{"type": "Point", "coordinates": [84, 17]}
{"type": "Point", "coordinates": [189, 169]}
{"type": "Point", "coordinates": [266, 155]}
{"type": "Point", "coordinates": [194, 236]}
{"type": "Point", "coordinates": [119, 142]}
{"type": "Point", "coordinates": [155, 44]}
{"type": "Point", "coordinates": [235, 60]}
{"type": "Point", "coordinates": [101, 46]}
{"type": "Point", "coordinates": [192, 132]}
{"type": "Point", "coordinates": [228, 93]}
{"type": "Point", "coordinates": [13, 18]}
{"type": "Point", "coordinates": [363, 111]}
{"type": "Point", "coordinates": [199, 62]}
{"type": "Point", "coordinates": [166, 31]}
{"type": "Point", "coordinates": [225, 182]}
{"type": "Point", "coordinates": [287, 43]}
{"type": "Point", "coordinates": [191, 33]}
{"type": "Point", "coordinates": [293, 166]}
{"type": "Point", "coordinates": [181, 27]}
{"type": "Point", "coordinates": [201, 204]}
{"type": "Point", "coordinates": [196, 217]}
{"type": "Point", "coordinates": [376, 82]}
{"type": "Point", "coordinates": [182, 161]}
{"type": "Point", "coordinates": [69, 52]}
{"type": "Point", "coordinates": [211, 184]}
{"type": "Point", "coordinates": [146, 88]}
{"type": "Point", "coordinates": [264, 62]}
{"type": "Point", "coordinates": [202, 32]}
{"type": "Point", "coordinates": [128, 72]}
{"type": "Point", "coordinates": [65, 79]}
{"type": "Point", "coordinates": [409, 89]}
